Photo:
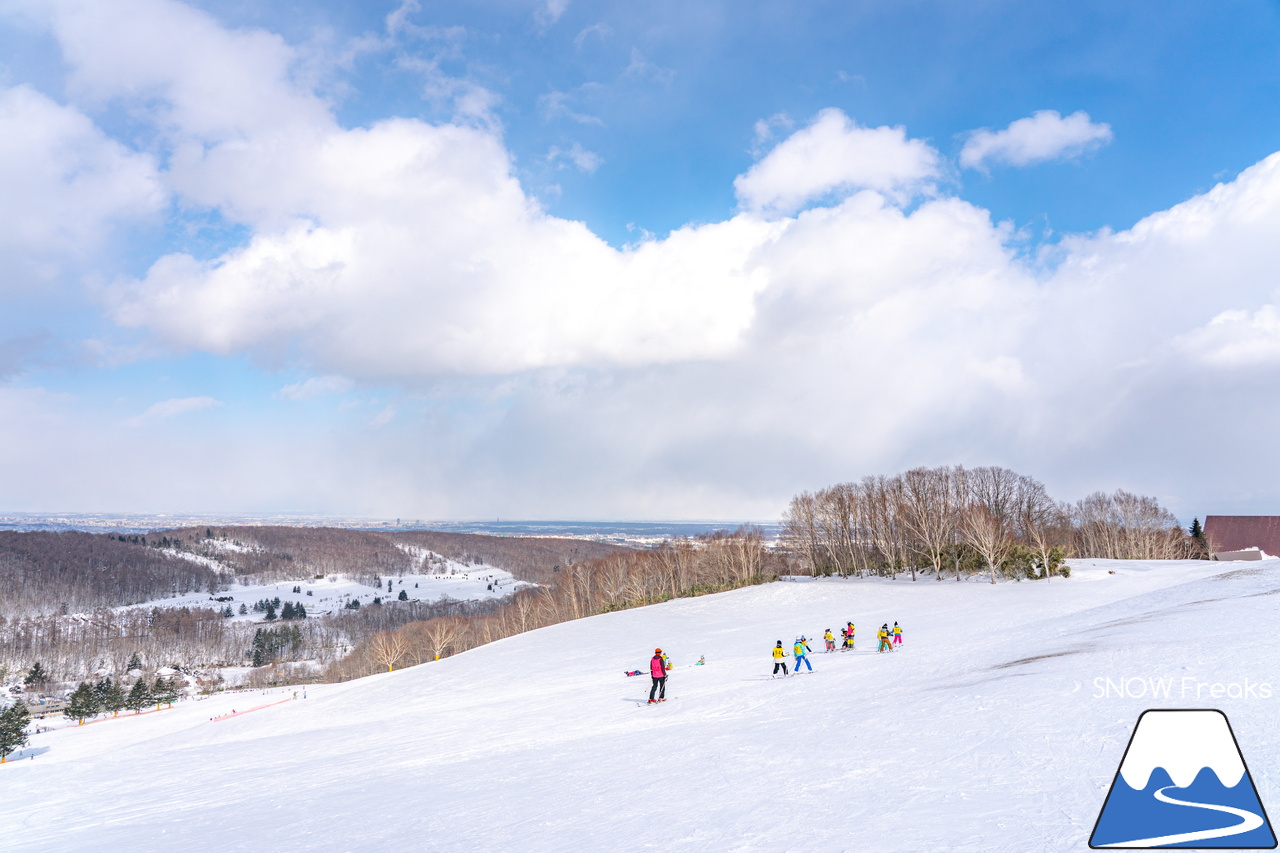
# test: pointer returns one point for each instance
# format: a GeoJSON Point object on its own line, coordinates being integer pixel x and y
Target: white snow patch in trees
{"type": "Point", "coordinates": [442, 578]}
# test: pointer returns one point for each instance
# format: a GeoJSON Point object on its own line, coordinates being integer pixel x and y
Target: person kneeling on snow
{"type": "Point", "coordinates": [658, 669]}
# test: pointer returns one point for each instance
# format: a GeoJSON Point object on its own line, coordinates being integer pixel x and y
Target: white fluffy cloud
{"type": "Point", "coordinates": [400, 249]}
{"type": "Point", "coordinates": [63, 182]}
{"type": "Point", "coordinates": [833, 155]}
{"type": "Point", "coordinates": [1044, 136]}
{"type": "Point", "coordinates": [851, 318]}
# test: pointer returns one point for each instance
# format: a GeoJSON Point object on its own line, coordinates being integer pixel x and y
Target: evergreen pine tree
{"type": "Point", "coordinates": [13, 729]}
{"type": "Point", "coordinates": [258, 652]}
{"type": "Point", "coordinates": [113, 701]}
{"type": "Point", "coordinates": [403, 596]}
{"type": "Point", "coordinates": [271, 613]}
{"type": "Point", "coordinates": [135, 662]}
{"type": "Point", "coordinates": [83, 705]}
{"type": "Point", "coordinates": [139, 697]}
{"type": "Point", "coordinates": [163, 692]}
{"type": "Point", "coordinates": [36, 675]}
{"type": "Point", "coordinates": [244, 609]}
{"type": "Point", "coordinates": [1197, 532]}
{"type": "Point", "coordinates": [287, 612]}
{"type": "Point", "coordinates": [300, 612]}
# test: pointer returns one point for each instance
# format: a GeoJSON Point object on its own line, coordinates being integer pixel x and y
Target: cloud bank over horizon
{"type": "Point", "coordinates": [432, 341]}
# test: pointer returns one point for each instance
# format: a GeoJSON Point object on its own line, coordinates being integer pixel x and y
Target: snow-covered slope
{"type": "Point", "coordinates": [990, 731]}
{"type": "Point", "coordinates": [442, 578]}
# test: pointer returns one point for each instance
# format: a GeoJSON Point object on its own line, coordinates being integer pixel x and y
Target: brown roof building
{"type": "Point", "coordinates": [1242, 532]}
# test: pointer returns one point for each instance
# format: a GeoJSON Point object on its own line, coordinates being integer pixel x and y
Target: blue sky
{"type": "Point", "coordinates": [539, 259]}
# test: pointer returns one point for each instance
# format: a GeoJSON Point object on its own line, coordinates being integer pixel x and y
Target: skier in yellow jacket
{"type": "Point", "coordinates": [779, 659]}
{"type": "Point", "coordinates": [830, 640]}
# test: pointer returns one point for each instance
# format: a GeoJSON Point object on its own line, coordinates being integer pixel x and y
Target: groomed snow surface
{"type": "Point", "coordinates": [988, 731]}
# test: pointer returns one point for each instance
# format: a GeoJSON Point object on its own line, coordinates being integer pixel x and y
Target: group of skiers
{"type": "Point", "coordinates": [660, 664]}
{"type": "Point", "coordinates": [888, 637]}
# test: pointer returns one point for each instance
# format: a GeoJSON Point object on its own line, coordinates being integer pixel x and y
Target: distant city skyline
{"type": "Point", "coordinates": [565, 260]}
{"type": "Point", "coordinates": [621, 531]}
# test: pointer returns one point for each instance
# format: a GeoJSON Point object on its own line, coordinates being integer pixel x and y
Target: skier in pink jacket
{"type": "Point", "coordinates": [658, 669]}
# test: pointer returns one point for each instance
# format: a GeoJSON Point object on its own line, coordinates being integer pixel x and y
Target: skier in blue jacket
{"type": "Point", "coordinates": [801, 651]}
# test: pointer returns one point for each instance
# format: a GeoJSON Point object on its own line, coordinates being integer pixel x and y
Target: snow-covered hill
{"type": "Point", "coordinates": [992, 730]}
{"type": "Point", "coordinates": [437, 578]}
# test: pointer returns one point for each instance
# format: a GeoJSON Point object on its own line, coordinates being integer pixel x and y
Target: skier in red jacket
{"type": "Point", "coordinates": [658, 669]}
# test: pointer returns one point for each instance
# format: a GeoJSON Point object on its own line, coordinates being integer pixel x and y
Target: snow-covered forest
{"type": "Point", "coordinates": [83, 604]}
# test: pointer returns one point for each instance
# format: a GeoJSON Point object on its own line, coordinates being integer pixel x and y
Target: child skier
{"type": "Point", "coordinates": [779, 659]}
{"type": "Point", "coordinates": [830, 640]}
{"type": "Point", "coordinates": [848, 636]}
{"type": "Point", "coordinates": [658, 669]}
{"type": "Point", "coordinates": [897, 634]}
{"type": "Point", "coordinates": [883, 636]}
{"type": "Point", "coordinates": [801, 651]}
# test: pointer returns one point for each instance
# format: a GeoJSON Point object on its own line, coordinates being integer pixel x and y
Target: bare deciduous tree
{"type": "Point", "coordinates": [388, 648]}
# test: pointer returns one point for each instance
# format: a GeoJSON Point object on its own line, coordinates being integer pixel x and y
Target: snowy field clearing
{"type": "Point", "coordinates": [987, 732]}
{"type": "Point", "coordinates": [332, 593]}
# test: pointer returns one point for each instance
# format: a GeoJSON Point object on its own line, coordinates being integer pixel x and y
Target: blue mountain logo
{"type": "Point", "coordinates": [1183, 783]}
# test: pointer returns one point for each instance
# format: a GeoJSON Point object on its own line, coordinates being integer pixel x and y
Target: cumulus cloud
{"type": "Point", "coordinates": [399, 249]}
{"type": "Point", "coordinates": [850, 318]}
{"type": "Point", "coordinates": [835, 155]}
{"type": "Point", "coordinates": [1044, 136]}
{"type": "Point", "coordinates": [63, 182]}
{"type": "Point", "coordinates": [1237, 338]}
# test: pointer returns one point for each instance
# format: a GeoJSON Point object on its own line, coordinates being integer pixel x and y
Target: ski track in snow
{"type": "Point", "coordinates": [982, 734]}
